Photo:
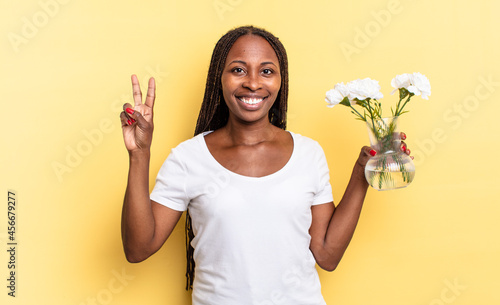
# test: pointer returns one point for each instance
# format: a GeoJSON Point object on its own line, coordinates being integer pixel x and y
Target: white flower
{"type": "Point", "coordinates": [400, 81]}
{"type": "Point", "coordinates": [336, 95]}
{"type": "Point", "coordinates": [362, 89]}
{"type": "Point", "coordinates": [416, 83]}
{"type": "Point", "coordinates": [420, 85]}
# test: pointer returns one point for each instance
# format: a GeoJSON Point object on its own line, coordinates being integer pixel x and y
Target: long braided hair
{"type": "Point", "coordinates": [214, 112]}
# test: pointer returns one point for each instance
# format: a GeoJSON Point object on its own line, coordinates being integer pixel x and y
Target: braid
{"type": "Point", "coordinates": [214, 113]}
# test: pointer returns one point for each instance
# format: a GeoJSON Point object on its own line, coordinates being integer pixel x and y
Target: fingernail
{"type": "Point", "coordinates": [133, 121]}
{"type": "Point", "coordinates": [129, 110]}
{"type": "Point", "coordinates": [408, 151]}
{"type": "Point", "coordinates": [130, 123]}
{"type": "Point", "coordinates": [373, 153]}
{"type": "Point", "coordinates": [403, 136]}
{"type": "Point", "coordinates": [412, 157]}
{"type": "Point", "coordinates": [403, 148]}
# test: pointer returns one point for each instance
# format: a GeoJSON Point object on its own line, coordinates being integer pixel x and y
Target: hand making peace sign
{"type": "Point", "coordinates": [137, 121]}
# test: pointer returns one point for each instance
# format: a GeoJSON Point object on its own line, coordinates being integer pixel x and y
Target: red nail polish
{"type": "Point", "coordinates": [403, 136]}
{"type": "Point", "coordinates": [403, 148]}
{"type": "Point", "coordinates": [130, 123]}
{"type": "Point", "coordinates": [129, 110]}
{"type": "Point", "coordinates": [133, 121]}
{"type": "Point", "coordinates": [373, 153]}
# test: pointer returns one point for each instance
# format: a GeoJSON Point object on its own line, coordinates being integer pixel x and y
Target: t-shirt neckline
{"type": "Point", "coordinates": [212, 159]}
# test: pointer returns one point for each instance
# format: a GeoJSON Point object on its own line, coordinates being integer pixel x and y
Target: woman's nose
{"type": "Point", "coordinates": [252, 81]}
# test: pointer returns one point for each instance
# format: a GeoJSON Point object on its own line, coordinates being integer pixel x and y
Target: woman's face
{"type": "Point", "coordinates": [251, 79]}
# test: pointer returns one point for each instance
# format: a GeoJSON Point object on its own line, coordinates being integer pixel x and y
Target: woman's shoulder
{"type": "Point", "coordinates": [302, 140]}
{"type": "Point", "coordinates": [192, 144]}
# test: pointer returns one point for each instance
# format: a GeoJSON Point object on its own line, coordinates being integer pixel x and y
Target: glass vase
{"type": "Point", "coordinates": [390, 168]}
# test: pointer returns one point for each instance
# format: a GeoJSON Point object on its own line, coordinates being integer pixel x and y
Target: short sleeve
{"type": "Point", "coordinates": [324, 188]}
{"type": "Point", "coordinates": [169, 189]}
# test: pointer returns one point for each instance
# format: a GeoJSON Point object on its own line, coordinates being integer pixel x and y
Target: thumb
{"type": "Point", "coordinates": [365, 154]}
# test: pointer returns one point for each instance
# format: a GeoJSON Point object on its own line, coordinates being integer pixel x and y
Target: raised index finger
{"type": "Point", "coordinates": [150, 97]}
{"type": "Point", "coordinates": [136, 89]}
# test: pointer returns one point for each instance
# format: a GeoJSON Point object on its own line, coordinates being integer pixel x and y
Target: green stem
{"type": "Point", "coordinates": [362, 117]}
{"type": "Point", "coordinates": [401, 110]}
{"type": "Point", "coordinates": [397, 107]}
{"type": "Point", "coordinates": [371, 117]}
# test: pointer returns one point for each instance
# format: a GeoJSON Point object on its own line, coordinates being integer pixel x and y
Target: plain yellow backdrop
{"type": "Point", "coordinates": [65, 72]}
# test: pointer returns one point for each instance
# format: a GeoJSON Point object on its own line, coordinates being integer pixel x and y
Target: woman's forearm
{"type": "Point", "coordinates": [345, 217]}
{"type": "Point", "coordinates": [137, 215]}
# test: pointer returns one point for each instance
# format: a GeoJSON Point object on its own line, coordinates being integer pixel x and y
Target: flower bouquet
{"type": "Point", "coordinates": [390, 168]}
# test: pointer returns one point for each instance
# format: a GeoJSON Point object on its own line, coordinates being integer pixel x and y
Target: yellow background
{"type": "Point", "coordinates": [65, 72]}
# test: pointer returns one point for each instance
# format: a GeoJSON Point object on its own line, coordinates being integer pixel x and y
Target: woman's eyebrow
{"type": "Point", "coordinates": [238, 61]}
{"type": "Point", "coordinates": [268, 63]}
{"type": "Point", "coordinates": [262, 63]}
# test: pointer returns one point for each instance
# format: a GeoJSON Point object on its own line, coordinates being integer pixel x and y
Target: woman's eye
{"type": "Point", "coordinates": [237, 70]}
{"type": "Point", "coordinates": [267, 71]}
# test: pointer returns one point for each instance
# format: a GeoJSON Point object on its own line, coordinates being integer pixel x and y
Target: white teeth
{"type": "Point", "coordinates": [251, 101]}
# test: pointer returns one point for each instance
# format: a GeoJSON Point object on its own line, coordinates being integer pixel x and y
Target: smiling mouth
{"type": "Point", "coordinates": [251, 101]}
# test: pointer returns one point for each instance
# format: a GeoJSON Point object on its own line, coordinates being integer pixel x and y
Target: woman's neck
{"type": "Point", "coordinates": [249, 134]}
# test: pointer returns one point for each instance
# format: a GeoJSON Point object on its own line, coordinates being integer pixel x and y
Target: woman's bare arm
{"type": "Point", "coordinates": [146, 224]}
{"type": "Point", "coordinates": [332, 228]}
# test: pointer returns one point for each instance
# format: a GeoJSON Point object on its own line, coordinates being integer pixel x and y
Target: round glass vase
{"type": "Point", "coordinates": [390, 168]}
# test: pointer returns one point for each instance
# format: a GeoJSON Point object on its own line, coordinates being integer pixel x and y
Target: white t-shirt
{"type": "Point", "coordinates": [251, 234]}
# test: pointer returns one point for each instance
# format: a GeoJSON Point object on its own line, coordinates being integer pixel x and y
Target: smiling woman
{"type": "Point", "coordinates": [251, 79]}
{"type": "Point", "coordinates": [256, 235]}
